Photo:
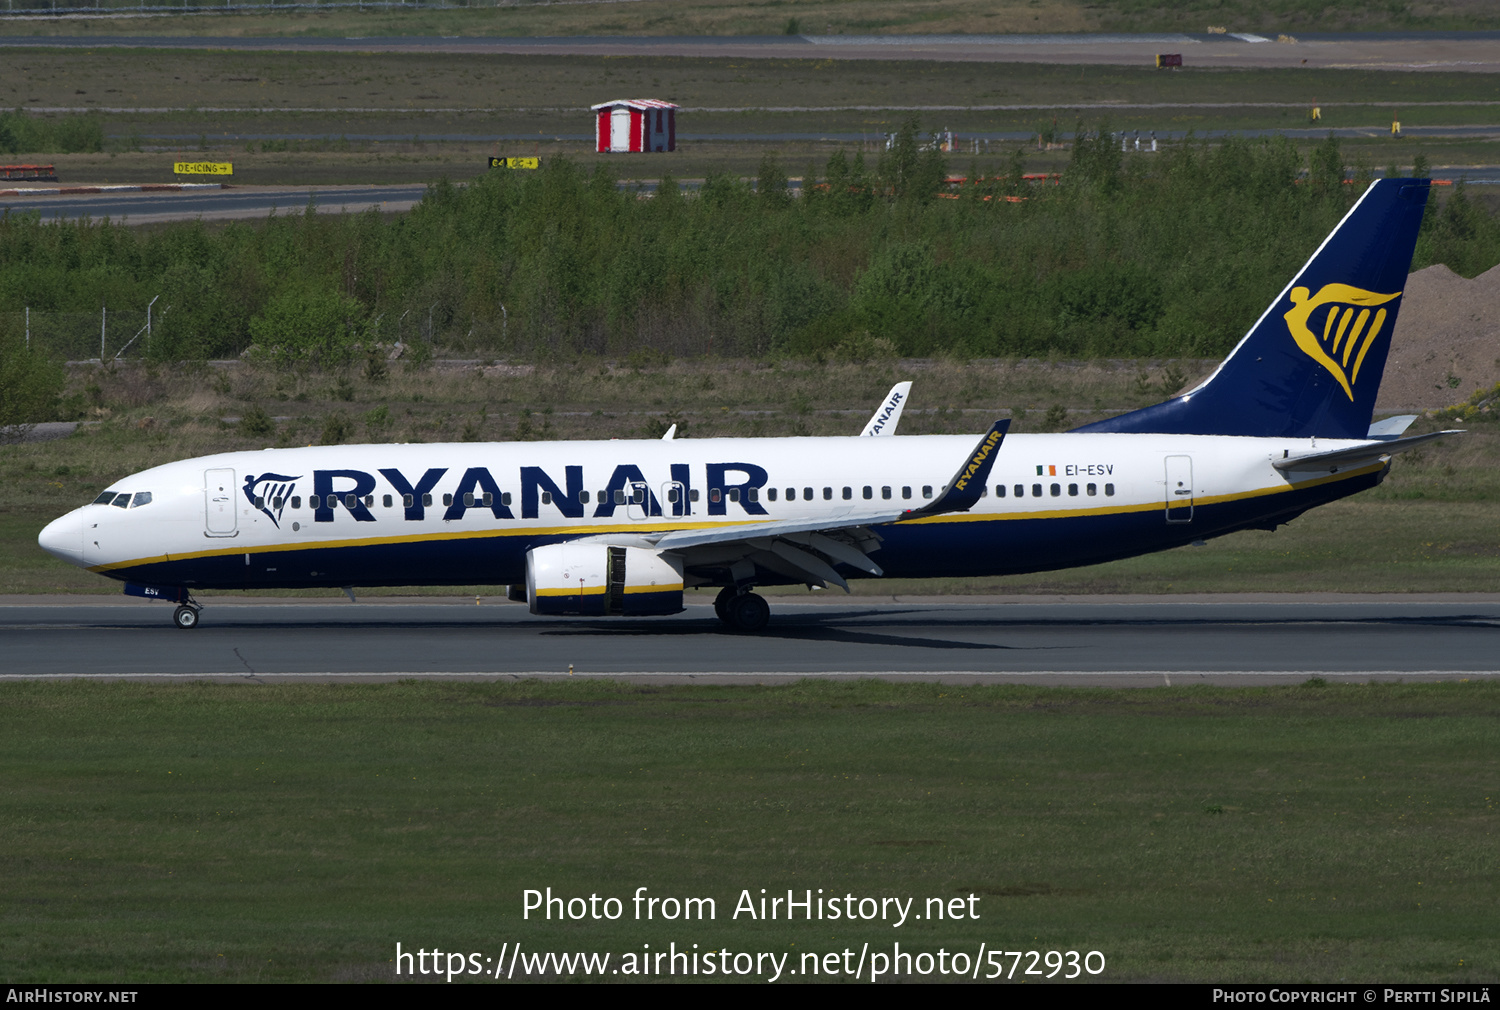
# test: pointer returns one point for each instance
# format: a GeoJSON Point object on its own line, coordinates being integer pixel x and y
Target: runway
{"type": "Point", "coordinates": [1126, 641]}
{"type": "Point", "coordinates": [215, 204]}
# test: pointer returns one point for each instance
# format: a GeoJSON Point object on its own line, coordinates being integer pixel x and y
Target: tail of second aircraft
{"type": "Point", "coordinates": [1311, 365]}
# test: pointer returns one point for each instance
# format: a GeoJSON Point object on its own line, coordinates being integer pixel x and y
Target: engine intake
{"type": "Point", "coordinates": [597, 580]}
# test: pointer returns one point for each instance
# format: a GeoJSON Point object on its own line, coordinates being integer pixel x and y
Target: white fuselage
{"type": "Point", "coordinates": [418, 514]}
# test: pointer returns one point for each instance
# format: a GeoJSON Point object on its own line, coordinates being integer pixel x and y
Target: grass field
{"type": "Point", "coordinates": [407, 82]}
{"type": "Point", "coordinates": [775, 17]}
{"type": "Point", "coordinates": [285, 833]}
{"type": "Point", "coordinates": [1428, 528]}
{"type": "Point", "coordinates": [536, 103]}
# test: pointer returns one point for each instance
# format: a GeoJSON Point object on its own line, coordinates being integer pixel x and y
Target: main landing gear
{"type": "Point", "coordinates": [742, 610]}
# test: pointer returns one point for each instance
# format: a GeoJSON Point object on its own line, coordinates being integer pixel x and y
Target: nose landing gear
{"type": "Point", "coordinates": [185, 616]}
{"type": "Point", "coordinates": [742, 610]}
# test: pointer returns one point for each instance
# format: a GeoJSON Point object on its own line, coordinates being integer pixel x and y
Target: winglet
{"type": "Point", "coordinates": [884, 420]}
{"type": "Point", "coordinates": [967, 486]}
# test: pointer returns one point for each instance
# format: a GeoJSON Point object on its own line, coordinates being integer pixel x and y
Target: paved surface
{"type": "Point", "coordinates": [1127, 640]}
{"type": "Point", "coordinates": [211, 204]}
{"type": "Point", "coordinates": [1472, 51]}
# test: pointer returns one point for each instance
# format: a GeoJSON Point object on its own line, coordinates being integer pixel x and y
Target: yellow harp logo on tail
{"type": "Point", "coordinates": [1350, 320]}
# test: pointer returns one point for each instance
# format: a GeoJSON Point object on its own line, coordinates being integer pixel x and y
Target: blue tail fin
{"type": "Point", "coordinates": [1311, 365]}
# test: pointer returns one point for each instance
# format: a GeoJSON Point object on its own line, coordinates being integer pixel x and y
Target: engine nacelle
{"type": "Point", "coordinates": [597, 580]}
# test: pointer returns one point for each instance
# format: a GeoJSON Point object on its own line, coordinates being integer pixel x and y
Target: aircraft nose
{"type": "Point", "coordinates": [63, 538]}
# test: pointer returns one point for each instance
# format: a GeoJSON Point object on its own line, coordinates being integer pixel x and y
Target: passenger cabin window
{"type": "Point", "coordinates": [504, 497]}
{"type": "Point", "coordinates": [713, 494]}
{"type": "Point", "coordinates": [848, 493]}
{"type": "Point", "coordinates": [546, 497]}
{"type": "Point", "coordinates": [426, 501]}
{"type": "Point", "coordinates": [1092, 489]}
{"type": "Point", "coordinates": [469, 500]}
{"type": "Point", "coordinates": [752, 493]}
{"type": "Point", "coordinates": [488, 500]}
{"type": "Point", "coordinates": [674, 495]}
{"type": "Point", "coordinates": [386, 501]}
{"type": "Point", "coordinates": [1072, 490]}
{"type": "Point", "coordinates": [868, 491]}
{"type": "Point", "coordinates": [1109, 490]}
{"type": "Point", "coordinates": [828, 494]}
{"type": "Point", "coordinates": [1020, 490]}
{"type": "Point", "coordinates": [999, 490]}
{"type": "Point", "coordinates": [1036, 490]}
{"type": "Point", "coordinates": [260, 501]}
{"type": "Point", "coordinates": [693, 495]}
{"type": "Point", "coordinates": [885, 492]}
{"type": "Point", "coordinates": [144, 498]}
{"type": "Point", "coordinates": [620, 497]}
{"type": "Point", "coordinates": [734, 494]}
{"type": "Point", "coordinates": [447, 499]}
{"type": "Point", "coordinates": [807, 494]}
{"type": "Point", "coordinates": [407, 501]}
{"type": "Point", "coordinates": [906, 492]}
{"type": "Point", "coordinates": [583, 498]}
{"type": "Point", "coordinates": [1056, 490]}
{"type": "Point", "coordinates": [926, 490]}
{"type": "Point", "coordinates": [296, 501]}
{"type": "Point", "coordinates": [276, 503]}
{"type": "Point", "coordinates": [770, 494]}
{"type": "Point", "coordinates": [313, 501]}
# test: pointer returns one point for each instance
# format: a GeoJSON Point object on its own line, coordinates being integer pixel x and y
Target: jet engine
{"type": "Point", "coordinates": [597, 580]}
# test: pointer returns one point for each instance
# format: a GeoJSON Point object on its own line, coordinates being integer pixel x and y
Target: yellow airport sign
{"type": "Point", "coordinates": [515, 162]}
{"type": "Point", "coordinates": [203, 168]}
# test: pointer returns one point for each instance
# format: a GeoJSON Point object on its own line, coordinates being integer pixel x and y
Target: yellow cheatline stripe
{"type": "Point", "coordinates": [599, 590]}
{"type": "Point", "coordinates": [642, 526]}
{"type": "Point", "coordinates": [970, 517]}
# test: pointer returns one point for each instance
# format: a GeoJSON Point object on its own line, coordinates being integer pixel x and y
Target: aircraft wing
{"type": "Point", "coordinates": [808, 548]}
{"type": "Point", "coordinates": [884, 420]}
{"type": "Point", "coordinates": [1340, 459]}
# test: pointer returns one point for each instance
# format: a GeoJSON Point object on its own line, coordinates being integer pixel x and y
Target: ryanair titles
{"type": "Point", "coordinates": [454, 492]}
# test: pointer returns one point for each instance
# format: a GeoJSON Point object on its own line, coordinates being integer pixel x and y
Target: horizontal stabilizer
{"type": "Point", "coordinates": [1340, 459]}
{"type": "Point", "coordinates": [1390, 427]}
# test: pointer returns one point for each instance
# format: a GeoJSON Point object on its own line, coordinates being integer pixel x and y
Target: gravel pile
{"type": "Point", "coordinates": [1447, 340]}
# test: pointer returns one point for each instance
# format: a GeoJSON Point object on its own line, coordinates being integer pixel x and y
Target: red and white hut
{"type": "Point", "coordinates": [636, 124]}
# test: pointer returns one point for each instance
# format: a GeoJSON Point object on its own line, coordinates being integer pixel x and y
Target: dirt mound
{"type": "Point", "coordinates": [1447, 340]}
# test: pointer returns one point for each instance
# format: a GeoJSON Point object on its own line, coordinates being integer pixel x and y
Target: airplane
{"type": "Point", "coordinates": [623, 527]}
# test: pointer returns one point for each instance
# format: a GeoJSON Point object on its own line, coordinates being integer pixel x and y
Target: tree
{"type": "Point", "coordinates": [29, 387]}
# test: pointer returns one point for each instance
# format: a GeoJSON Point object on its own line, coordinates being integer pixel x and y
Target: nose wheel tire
{"type": "Point", "coordinates": [185, 617]}
{"type": "Point", "coordinates": [747, 613]}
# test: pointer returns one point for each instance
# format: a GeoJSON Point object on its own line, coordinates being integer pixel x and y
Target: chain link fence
{"type": "Point", "coordinates": [82, 336]}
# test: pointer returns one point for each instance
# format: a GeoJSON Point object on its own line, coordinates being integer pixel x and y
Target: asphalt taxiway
{"type": "Point", "coordinates": [210, 204]}
{"type": "Point", "coordinates": [1094, 640]}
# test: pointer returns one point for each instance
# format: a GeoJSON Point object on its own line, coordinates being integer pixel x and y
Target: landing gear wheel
{"type": "Point", "coordinates": [185, 617]}
{"type": "Point", "coordinates": [723, 600]}
{"type": "Point", "coordinates": [748, 613]}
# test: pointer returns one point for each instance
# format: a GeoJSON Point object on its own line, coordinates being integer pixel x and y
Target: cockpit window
{"type": "Point", "coordinates": [105, 498]}
{"type": "Point", "coordinates": [141, 498]}
{"type": "Point", "coordinates": [122, 500]}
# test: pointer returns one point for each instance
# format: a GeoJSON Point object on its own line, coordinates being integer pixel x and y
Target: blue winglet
{"type": "Point", "coordinates": [1311, 365]}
